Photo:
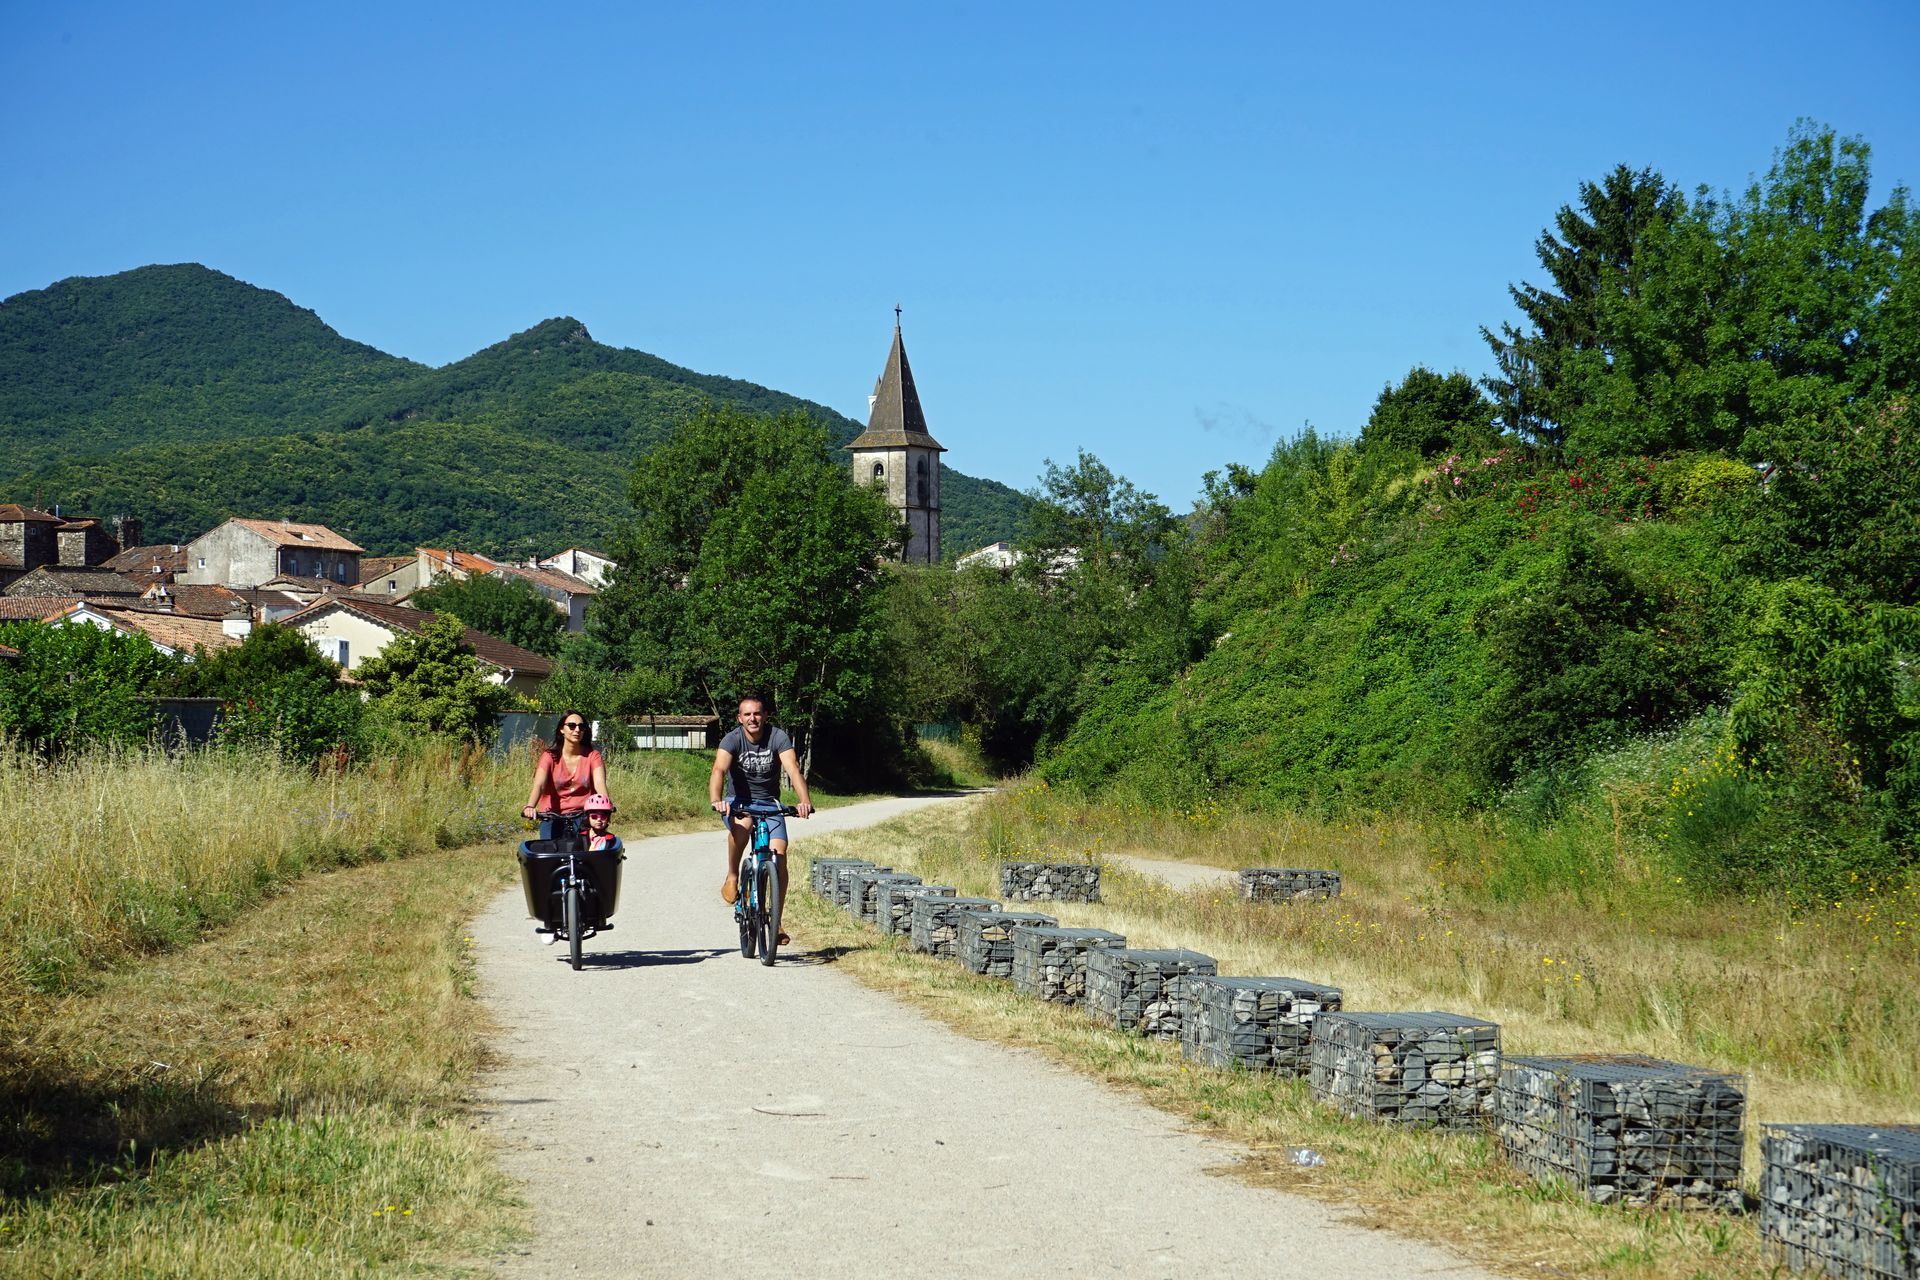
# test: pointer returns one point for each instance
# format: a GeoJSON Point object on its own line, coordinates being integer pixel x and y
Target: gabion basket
{"type": "Point", "coordinates": [1429, 1069]}
{"type": "Point", "coordinates": [1263, 1024]}
{"type": "Point", "coordinates": [1843, 1198]}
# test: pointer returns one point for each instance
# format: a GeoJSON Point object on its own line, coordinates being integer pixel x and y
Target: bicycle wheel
{"type": "Point", "coordinates": [744, 914]}
{"type": "Point", "coordinates": [575, 930]}
{"type": "Point", "coordinates": [768, 890]}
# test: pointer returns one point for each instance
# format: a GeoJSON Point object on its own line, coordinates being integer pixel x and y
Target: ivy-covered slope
{"type": "Point", "coordinates": [182, 396]}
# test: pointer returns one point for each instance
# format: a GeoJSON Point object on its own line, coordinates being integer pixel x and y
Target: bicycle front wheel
{"type": "Point", "coordinates": [767, 889]}
{"type": "Point", "coordinates": [746, 915]}
{"type": "Point", "coordinates": [575, 932]}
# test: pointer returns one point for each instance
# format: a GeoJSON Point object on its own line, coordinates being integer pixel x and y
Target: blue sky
{"type": "Point", "coordinates": [1166, 237]}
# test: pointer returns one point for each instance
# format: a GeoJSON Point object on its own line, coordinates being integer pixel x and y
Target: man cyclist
{"type": "Point", "coordinates": [750, 760]}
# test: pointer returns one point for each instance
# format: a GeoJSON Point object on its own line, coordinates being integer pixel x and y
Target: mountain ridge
{"type": "Point", "coordinates": [182, 395]}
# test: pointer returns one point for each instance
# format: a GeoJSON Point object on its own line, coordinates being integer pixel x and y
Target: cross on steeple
{"type": "Point", "coordinates": [896, 315]}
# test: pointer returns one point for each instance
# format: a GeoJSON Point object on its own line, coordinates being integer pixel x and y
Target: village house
{"type": "Point", "coordinates": [60, 580]}
{"type": "Point", "coordinates": [251, 553]}
{"type": "Point", "coordinates": [427, 566]}
{"type": "Point", "coordinates": [32, 539]}
{"type": "Point", "coordinates": [351, 628]}
{"type": "Point", "coordinates": [390, 577]}
{"type": "Point", "coordinates": [170, 633]}
{"type": "Point", "coordinates": [589, 566]}
{"type": "Point", "coordinates": [569, 594]}
{"type": "Point", "coordinates": [160, 563]}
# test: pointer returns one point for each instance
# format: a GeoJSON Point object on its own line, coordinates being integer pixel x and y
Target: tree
{"type": "Point", "coordinates": [753, 563]}
{"type": "Point", "coordinates": [504, 607]}
{"type": "Point", "coordinates": [77, 686]}
{"type": "Point", "coordinates": [1590, 254]}
{"type": "Point", "coordinates": [279, 692]}
{"type": "Point", "coordinates": [1429, 414]}
{"type": "Point", "coordinates": [429, 681]}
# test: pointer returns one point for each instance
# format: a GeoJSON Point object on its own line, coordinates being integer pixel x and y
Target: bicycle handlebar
{"type": "Point", "coordinates": [742, 811]}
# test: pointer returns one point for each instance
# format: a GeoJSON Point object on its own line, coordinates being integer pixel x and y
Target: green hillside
{"type": "Point", "coordinates": [183, 396]}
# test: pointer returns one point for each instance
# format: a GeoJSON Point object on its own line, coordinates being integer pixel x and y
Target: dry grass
{"type": "Point", "coordinates": [284, 1099]}
{"type": "Point", "coordinates": [1697, 982]}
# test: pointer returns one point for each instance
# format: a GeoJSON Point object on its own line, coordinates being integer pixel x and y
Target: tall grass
{"type": "Point", "coordinates": [1569, 940]}
{"type": "Point", "coordinates": [110, 855]}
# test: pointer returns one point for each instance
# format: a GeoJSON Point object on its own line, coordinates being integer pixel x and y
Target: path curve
{"type": "Point", "coordinates": [674, 1110]}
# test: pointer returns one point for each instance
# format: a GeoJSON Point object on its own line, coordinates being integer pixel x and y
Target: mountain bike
{"type": "Point", "coordinates": [757, 909]}
{"type": "Point", "coordinates": [570, 889]}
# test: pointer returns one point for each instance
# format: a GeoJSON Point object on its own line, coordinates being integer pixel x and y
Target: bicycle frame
{"type": "Point", "coordinates": [758, 873]}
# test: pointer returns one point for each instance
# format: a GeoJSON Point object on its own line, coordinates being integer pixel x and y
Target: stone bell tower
{"type": "Point", "coordinates": [896, 453]}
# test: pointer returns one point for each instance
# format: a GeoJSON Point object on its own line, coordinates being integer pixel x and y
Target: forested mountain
{"type": "Point", "coordinates": [183, 396]}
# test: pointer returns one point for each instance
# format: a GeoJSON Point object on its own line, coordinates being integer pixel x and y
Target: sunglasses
{"type": "Point", "coordinates": [574, 725]}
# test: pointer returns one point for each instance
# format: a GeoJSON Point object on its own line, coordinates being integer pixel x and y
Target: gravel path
{"type": "Point", "coordinates": [1181, 875]}
{"type": "Point", "coordinates": [674, 1110]}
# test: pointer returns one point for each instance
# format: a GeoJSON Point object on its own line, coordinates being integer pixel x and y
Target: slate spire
{"type": "Point", "coordinates": [896, 419]}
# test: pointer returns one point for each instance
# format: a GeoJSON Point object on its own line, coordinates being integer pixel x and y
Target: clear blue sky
{"type": "Point", "coordinates": [1166, 234]}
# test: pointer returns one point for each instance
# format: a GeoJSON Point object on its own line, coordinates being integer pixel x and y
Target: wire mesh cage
{"type": "Point", "coordinates": [1284, 884]}
{"type": "Point", "coordinates": [1050, 882]}
{"type": "Point", "coordinates": [866, 904]}
{"type": "Point", "coordinates": [936, 923]}
{"type": "Point", "coordinates": [985, 944]}
{"type": "Point", "coordinates": [1430, 1069]}
{"type": "Point", "coordinates": [820, 873]}
{"type": "Point", "coordinates": [895, 914]}
{"type": "Point", "coordinates": [845, 882]}
{"type": "Point", "coordinates": [1051, 964]}
{"type": "Point", "coordinates": [1843, 1198]}
{"type": "Point", "coordinates": [1134, 988]}
{"type": "Point", "coordinates": [1263, 1024]}
{"type": "Point", "coordinates": [1625, 1128]}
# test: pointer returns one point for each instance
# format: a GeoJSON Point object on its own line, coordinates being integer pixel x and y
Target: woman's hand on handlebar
{"type": "Point", "coordinates": [803, 810]}
{"type": "Point", "coordinates": [528, 811]}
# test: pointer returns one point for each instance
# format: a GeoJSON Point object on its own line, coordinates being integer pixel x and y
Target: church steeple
{"type": "Point", "coordinates": [894, 416]}
{"type": "Point", "coordinates": [897, 453]}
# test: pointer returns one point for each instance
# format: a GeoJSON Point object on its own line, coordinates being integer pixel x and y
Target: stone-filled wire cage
{"type": "Point", "coordinates": [1625, 1128]}
{"type": "Point", "coordinates": [1428, 1069]}
{"type": "Point", "coordinates": [1842, 1198]}
{"type": "Point", "coordinates": [821, 871]}
{"type": "Point", "coordinates": [895, 914]}
{"type": "Point", "coordinates": [1050, 882]}
{"type": "Point", "coordinates": [1284, 884]}
{"type": "Point", "coordinates": [1262, 1024]}
{"type": "Point", "coordinates": [866, 903]}
{"type": "Point", "coordinates": [1137, 989]}
{"type": "Point", "coordinates": [848, 880]}
{"type": "Point", "coordinates": [985, 944]}
{"type": "Point", "coordinates": [936, 923]}
{"type": "Point", "coordinates": [1051, 964]}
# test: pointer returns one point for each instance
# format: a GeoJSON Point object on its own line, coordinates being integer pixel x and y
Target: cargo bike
{"type": "Point", "coordinates": [571, 889]}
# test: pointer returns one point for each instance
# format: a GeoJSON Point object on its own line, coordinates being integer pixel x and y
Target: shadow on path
{"type": "Point", "coordinates": [643, 959]}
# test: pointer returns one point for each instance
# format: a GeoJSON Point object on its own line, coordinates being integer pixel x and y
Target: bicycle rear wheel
{"type": "Point", "coordinates": [768, 890]}
{"type": "Point", "coordinates": [575, 931]}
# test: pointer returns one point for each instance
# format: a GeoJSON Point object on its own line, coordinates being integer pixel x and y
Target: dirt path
{"type": "Point", "coordinates": [674, 1110]}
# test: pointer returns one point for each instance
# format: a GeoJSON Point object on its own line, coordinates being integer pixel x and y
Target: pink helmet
{"type": "Point", "coordinates": [598, 803]}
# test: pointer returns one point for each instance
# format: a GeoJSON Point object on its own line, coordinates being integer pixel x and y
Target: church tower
{"type": "Point", "coordinates": [896, 453]}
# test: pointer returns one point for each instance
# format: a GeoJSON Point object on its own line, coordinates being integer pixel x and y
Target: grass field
{"type": "Point", "coordinates": [1808, 1004]}
{"type": "Point", "coordinates": [236, 1016]}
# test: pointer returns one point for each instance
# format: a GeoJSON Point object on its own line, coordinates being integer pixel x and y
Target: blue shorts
{"type": "Point", "coordinates": [775, 818]}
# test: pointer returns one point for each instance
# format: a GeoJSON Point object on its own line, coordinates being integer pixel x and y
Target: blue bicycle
{"type": "Point", "coordinates": [757, 910]}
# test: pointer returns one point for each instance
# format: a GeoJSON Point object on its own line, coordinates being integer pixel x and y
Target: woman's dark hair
{"type": "Point", "coordinates": [560, 736]}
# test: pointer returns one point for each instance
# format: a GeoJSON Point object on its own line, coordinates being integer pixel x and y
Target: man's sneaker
{"type": "Point", "coordinates": [730, 890]}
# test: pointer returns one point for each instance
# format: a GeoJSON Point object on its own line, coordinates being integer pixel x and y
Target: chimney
{"type": "Point", "coordinates": [161, 597]}
{"type": "Point", "coordinates": [238, 621]}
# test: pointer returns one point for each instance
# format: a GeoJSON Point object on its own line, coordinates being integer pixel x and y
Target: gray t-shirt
{"type": "Point", "coordinates": [754, 775]}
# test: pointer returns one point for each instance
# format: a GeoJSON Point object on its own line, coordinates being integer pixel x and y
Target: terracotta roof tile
{"type": "Point", "coordinates": [63, 580]}
{"type": "Point", "coordinates": [33, 608]}
{"type": "Point", "coordinates": [14, 513]}
{"type": "Point", "coordinates": [553, 579]}
{"type": "Point", "coordinates": [491, 650]}
{"type": "Point", "coordinates": [291, 533]}
{"type": "Point", "coordinates": [143, 562]}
